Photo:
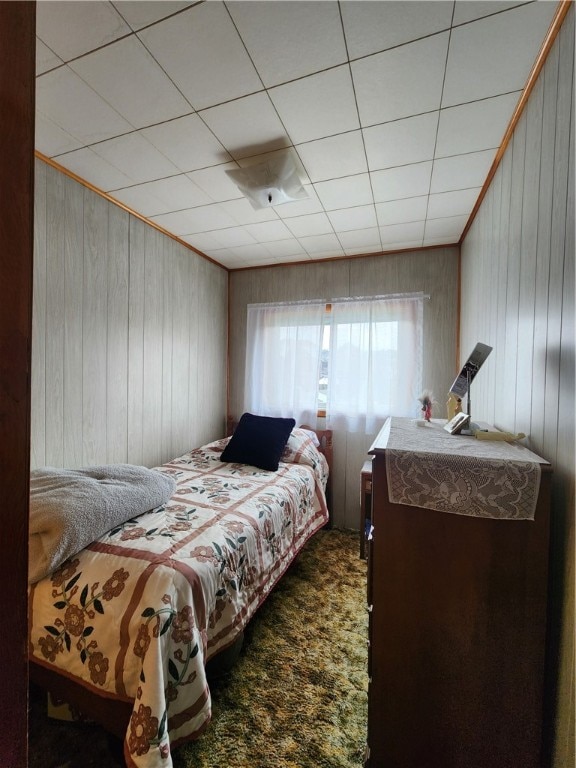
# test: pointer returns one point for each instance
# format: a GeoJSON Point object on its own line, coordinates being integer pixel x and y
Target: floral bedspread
{"type": "Point", "coordinates": [136, 615]}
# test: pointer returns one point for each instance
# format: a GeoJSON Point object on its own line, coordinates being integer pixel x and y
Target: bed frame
{"type": "Point", "coordinates": [114, 715]}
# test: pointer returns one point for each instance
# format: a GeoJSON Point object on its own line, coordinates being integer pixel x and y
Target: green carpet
{"type": "Point", "coordinates": [296, 698]}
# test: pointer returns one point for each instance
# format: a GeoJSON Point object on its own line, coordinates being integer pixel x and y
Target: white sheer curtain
{"type": "Point", "coordinates": [375, 362]}
{"type": "Point", "coordinates": [283, 348]}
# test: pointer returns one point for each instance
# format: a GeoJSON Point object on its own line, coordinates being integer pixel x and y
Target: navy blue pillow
{"type": "Point", "coordinates": [258, 441]}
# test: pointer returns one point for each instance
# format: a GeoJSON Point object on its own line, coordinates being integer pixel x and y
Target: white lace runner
{"type": "Point", "coordinates": [427, 467]}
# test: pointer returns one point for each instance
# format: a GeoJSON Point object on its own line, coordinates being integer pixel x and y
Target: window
{"type": "Point", "coordinates": [375, 361]}
{"type": "Point", "coordinates": [356, 361]}
{"type": "Point", "coordinates": [282, 360]}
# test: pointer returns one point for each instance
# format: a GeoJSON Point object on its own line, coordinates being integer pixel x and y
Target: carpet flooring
{"type": "Point", "coordinates": [296, 697]}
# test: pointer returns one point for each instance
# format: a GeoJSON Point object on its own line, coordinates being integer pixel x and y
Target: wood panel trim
{"type": "Point", "coordinates": [458, 310]}
{"type": "Point", "coordinates": [228, 366]}
{"type": "Point", "coordinates": [554, 29]}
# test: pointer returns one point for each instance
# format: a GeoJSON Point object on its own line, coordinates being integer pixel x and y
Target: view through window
{"type": "Point", "coordinates": [353, 361]}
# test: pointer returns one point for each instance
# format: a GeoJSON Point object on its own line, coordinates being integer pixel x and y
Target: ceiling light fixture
{"type": "Point", "coordinates": [273, 182]}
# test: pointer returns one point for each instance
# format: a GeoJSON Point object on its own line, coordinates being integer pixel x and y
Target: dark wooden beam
{"type": "Point", "coordinates": [17, 82]}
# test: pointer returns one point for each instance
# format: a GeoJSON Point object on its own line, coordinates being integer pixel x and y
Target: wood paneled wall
{"type": "Point", "coordinates": [518, 296]}
{"type": "Point", "coordinates": [433, 271]}
{"type": "Point", "coordinates": [129, 335]}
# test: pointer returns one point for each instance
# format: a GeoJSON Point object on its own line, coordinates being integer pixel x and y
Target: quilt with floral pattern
{"type": "Point", "coordinates": [137, 614]}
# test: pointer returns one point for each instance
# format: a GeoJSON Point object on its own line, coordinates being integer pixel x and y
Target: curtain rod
{"type": "Point", "coordinates": [343, 299]}
{"type": "Point", "coordinates": [382, 297]}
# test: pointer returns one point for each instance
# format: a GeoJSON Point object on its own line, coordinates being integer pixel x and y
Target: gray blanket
{"type": "Point", "coordinates": [70, 508]}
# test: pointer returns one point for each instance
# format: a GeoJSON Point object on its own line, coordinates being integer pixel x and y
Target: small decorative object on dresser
{"type": "Point", "coordinates": [427, 401]}
{"type": "Point", "coordinates": [453, 406]}
{"type": "Point", "coordinates": [457, 583]}
{"type": "Point", "coordinates": [457, 423]}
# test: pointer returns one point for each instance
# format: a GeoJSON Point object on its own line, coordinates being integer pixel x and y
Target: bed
{"type": "Point", "coordinates": [124, 629]}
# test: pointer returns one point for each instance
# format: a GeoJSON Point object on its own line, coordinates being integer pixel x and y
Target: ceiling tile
{"type": "Point", "coordinates": [297, 258]}
{"type": "Point", "coordinates": [317, 106]}
{"type": "Point", "coordinates": [321, 244]}
{"type": "Point", "coordinates": [401, 82]}
{"type": "Point", "coordinates": [461, 171]}
{"type": "Point", "coordinates": [282, 249]}
{"type": "Point", "coordinates": [268, 230]}
{"type": "Point", "coordinates": [402, 142]}
{"type": "Point", "coordinates": [371, 27]}
{"type": "Point", "coordinates": [397, 183]}
{"type": "Point", "coordinates": [402, 235]}
{"type": "Point", "coordinates": [468, 10]}
{"type": "Point", "coordinates": [232, 237]}
{"type": "Point", "coordinates": [226, 258]}
{"type": "Point", "coordinates": [260, 261]}
{"type": "Point", "coordinates": [304, 226]}
{"type": "Point", "coordinates": [203, 219]}
{"type": "Point", "coordinates": [495, 55]}
{"type": "Point", "coordinates": [332, 253]}
{"type": "Point", "coordinates": [203, 241]}
{"type": "Point", "coordinates": [71, 104]}
{"type": "Point", "coordinates": [242, 212]}
{"type": "Point", "coordinates": [120, 73]}
{"type": "Point", "coordinates": [51, 140]}
{"type": "Point", "coordinates": [403, 245]}
{"type": "Point", "coordinates": [213, 253]}
{"type": "Point", "coordinates": [300, 207]}
{"type": "Point", "coordinates": [351, 190]}
{"type": "Point", "coordinates": [187, 143]}
{"type": "Point", "coordinates": [45, 58]}
{"type": "Point", "coordinates": [216, 182]}
{"type": "Point", "coordinates": [402, 211]}
{"type": "Point", "coordinates": [362, 250]}
{"type": "Point", "coordinates": [360, 239]}
{"type": "Point", "coordinates": [247, 126]}
{"type": "Point", "coordinates": [475, 126]}
{"type": "Point", "coordinates": [141, 200]}
{"type": "Point", "coordinates": [252, 254]}
{"type": "Point", "coordinates": [353, 218]}
{"type": "Point", "coordinates": [260, 157]}
{"type": "Point", "coordinates": [94, 169]}
{"type": "Point", "coordinates": [135, 157]}
{"type": "Point", "coordinates": [430, 242]}
{"type": "Point", "coordinates": [202, 53]}
{"type": "Point", "coordinates": [162, 196]}
{"type": "Point", "coordinates": [288, 40]}
{"type": "Point", "coordinates": [448, 229]}
{"type": "Point", "coordinates": [139, 15]}
{"type": "Point", "coordinates": [73, 27]}
{"type": "Point", "coordinates": [334, 157]}
{"type": "Point", "coordinates": [452, 203]}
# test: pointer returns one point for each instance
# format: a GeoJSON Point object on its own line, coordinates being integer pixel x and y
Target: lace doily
{"type": "Point", "coordinates": [427, 467]}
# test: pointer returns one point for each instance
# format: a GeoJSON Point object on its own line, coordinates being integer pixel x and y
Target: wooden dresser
{"type": "Point", "coordinates": [457, 614]}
